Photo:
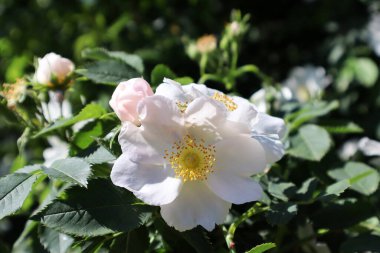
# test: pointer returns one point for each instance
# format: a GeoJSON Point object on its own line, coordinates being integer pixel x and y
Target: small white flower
{"type": "Point", "coordinates": [369, 147]}
{"type": "Point", "coordinates": [374, 33]}
{"type": "Point", "coordinates": [307, 82]}
{"type": "Point", "coordinates": [53, 68]}
{"type": "Point", "coordinates": [348, 149]}
{"type": "Point", "coordinates": [193, 154]}
{"type": "Point", "coordinates": [57, 107]}
{"type": "Point", "coordinates": [58, 150]}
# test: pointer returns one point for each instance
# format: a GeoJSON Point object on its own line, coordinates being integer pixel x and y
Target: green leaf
{"type": "Point", "coordinates": [311, 143]}
{"type": "Point", "coordinates": [87, 135]}
{"type": "Point", "coordinates": [343, 128]}
{"type": "Point", "coordinates": [365, 70]}
{"type": "Point", "coordinates": [282, 191]}
{"type": "Point", "coordinates": [103, 54]}
{"type": "Point", "coordinates": [14, 189]}
{"type": "Point", "coordinates": [307, 189]}
{"type": "Point", "coordinates": [101, 209]}
{"type": "Point", "coordinates": [184, 80]}
{"type": "Point", "coordinates": [73, 170]}
{"type": "Point", "coordinates": [310, 111]}
{"type": "Point", "coordinates": [91, 111]}
{"type": "Point", "coordinates": [334, 190]}
{"type": "Point", "coordinates": [158, 74]}
{"type": "Point", "coordinates": [54, 241]}
{"type": "Point", "coordinates": [361, 243]}
{"type": "Point", "coordinates": [109, 72]}
{"type": "Point", "coordinates": [363, 178]}
{"type": "Point", "coordinates": [28, 241]}
{"type": "Point", "coordinates": [101, 155]}
{"type": "Point", "coordinates": [262, 247]}
{"type": "Point", "coordinates": [137, 241]}
{"type": "Point", "coordinates": [198, 239]}
{"type": "Point", "coordinates": [281, 213]}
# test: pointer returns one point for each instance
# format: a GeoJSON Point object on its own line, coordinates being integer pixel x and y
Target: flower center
{"type": "Point", "coordinates": [182, 106]}
{"type": "Point", "coordinates": [226, 100]}
{"type": "Point", "coordinates": [191, 159]}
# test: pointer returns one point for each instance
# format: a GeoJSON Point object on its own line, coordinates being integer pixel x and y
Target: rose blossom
{"type": "Point", "coordinates": [126, 97]}
{"type": "Point", "coordinates": [53, 68]}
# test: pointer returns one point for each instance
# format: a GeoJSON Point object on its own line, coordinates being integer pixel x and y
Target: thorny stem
{"type": "Point", "coordinates": [230, 233]}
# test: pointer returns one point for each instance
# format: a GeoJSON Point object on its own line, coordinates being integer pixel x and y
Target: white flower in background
{"type": "Point", "coordinates": [192, 155]}
{"type": "Point", "coordinates": [126, 97]}
{"type": "Point", "coordinates": [259, 100]}
{"type": "Point", "coordinates": [374, 33]}
{"type": "Point", "coordinates": [305, 83]}
{"type": "Point", "coordinates": [259, 97]}
{"type": "Point", "coordinates": [53, 68]}
{"type": "Point", "coordinates": [57, 107]}
{"type": "Point", "coordinates": [348, 149]}
{"type": "Point", "coordinates": [369, 147]}
{"type": "Point", "coordinates": [58, 150]}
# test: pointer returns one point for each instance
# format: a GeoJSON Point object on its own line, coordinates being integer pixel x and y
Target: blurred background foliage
{"type": "Point", "coordinates": [283, 34]}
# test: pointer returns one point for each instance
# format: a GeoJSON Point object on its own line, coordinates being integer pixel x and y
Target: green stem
{"type": "Point", "coordinates": [213, 77]}
{"type": "Point", "coordinates": [230, 233]}
{"type": "Point", "coordinates": [203, 63]}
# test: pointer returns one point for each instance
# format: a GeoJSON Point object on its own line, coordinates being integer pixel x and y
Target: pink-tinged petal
{"type": "Point", "coordinates": [195, 205]}
{"type": "Point", "coordinates": [153, 184]}
{"type": "Point", "coordinates": [241, 155]}
{"type": "Point", "coordinates": [234, 188]}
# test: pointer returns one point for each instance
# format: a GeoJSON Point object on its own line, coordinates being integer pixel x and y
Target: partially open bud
{"type": "Point", "coordinates": [126, 97]}
{"type": "Point", "coordinates": [54, 71]}
{"type": "Point", "coordinates": [206, 44]}
{"type": "Point", "coordinates": [14, 93]}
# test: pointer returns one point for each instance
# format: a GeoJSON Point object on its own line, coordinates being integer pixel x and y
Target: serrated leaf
{"type": "Point", "coordinates": [91, 111]}
{"type": "Point", "coordinates": [103, 54]}
{"type": "Point", "coordinates": [54, 241]}
{"type": "Point", "coordinates": [334, 190]}
{"type": "Point", "coordinates": [14, 189]}
{"type": "Point", "coordinates": [73, 170]}
{"type": "Point", "coordinates": [282, 191]}
{"type": "Point", "coordinates": [101, 155]}
{"type": "Point", "coordinates": [363, 178]}
{"type": "Point", "coordinates": [109, 72]}
{"type": "Point", "coordinates": [101, 209]}
{"type": "Point", "coordinates": [198, 240]}
{"type": "Point", "coordinates": [281, 213]}
{"type": "Point", "coordinates": [159, 73]}
{"type": "Point", "coordinates": [262, 247]}
{"type": "Point", "coordinates": [311, 143]}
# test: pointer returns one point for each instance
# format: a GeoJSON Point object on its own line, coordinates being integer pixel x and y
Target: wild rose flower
{"type": "Point", "coordinates": [53, 69]}
{"type": "Point", "coordinates": [57, 107]}
{"type": "Point", "coordinates": [374, 33]}
{"type": "Point", "coordinates": [14, 93]}
{"type": "Point", "coordinates": [305, 83]}
{"type": "Point", "coordinates": [184, 156]}
{"type": "Point", "coordinates": [126, 97]}
{"type": "Point", "coordinates": [369, 147]}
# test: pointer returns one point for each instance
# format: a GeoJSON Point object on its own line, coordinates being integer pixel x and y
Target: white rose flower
{"type": "Point", "coordinates": [369, 147]}
{"type": "Point", "coordinates": [307, 82]}
{"type": "Point", "coordinates": [266, 129]}
{"type": "Point", "coordinates": [57, 107]}
{"type": "Point", "coordinates": [193, 157]}
{"type": "Point", "coordinates": [374, 33]}
{"type": "Point", "coordinates": [53, 68]}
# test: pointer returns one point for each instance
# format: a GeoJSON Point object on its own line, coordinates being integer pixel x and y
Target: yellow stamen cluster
{"type": "Point", "coordinates": [182, 106]}
{"type": "Point", "coordinates": [191, 159]}
{"type": "Point", "coordinates": [226, 100]}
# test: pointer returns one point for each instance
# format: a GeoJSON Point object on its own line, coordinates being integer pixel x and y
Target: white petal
{"type": "Point", "coordinates": [196, 90]}
{"type": "Point", "coordinates": [155, 185]}
{"type": "Point", "coordinates": [267, 124]}
{"type": "Point", "coordinates": [172, 90]}
{"type": "Point", "coordinates": [369, 147]}
{"type": "Point", "coordinates": [195, 205]}
{"type": "Point", "coordinates": [241, 155]}
{"type": "Point", "coordinates": [234, 188]}
{"type": "Point", "coordinates": [244, 113]}
{"type": "Point", "coordinates": [274, 149]}
{"type": "Point", "coordinates": [204, 109]}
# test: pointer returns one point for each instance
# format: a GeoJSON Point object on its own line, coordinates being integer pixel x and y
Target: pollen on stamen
{"type": "Point", "coordinates": [192, 159]}
{"type": "Point", "coordinates": [182, 106]}
{"type": "Point", "coordinates": [226, 100]}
